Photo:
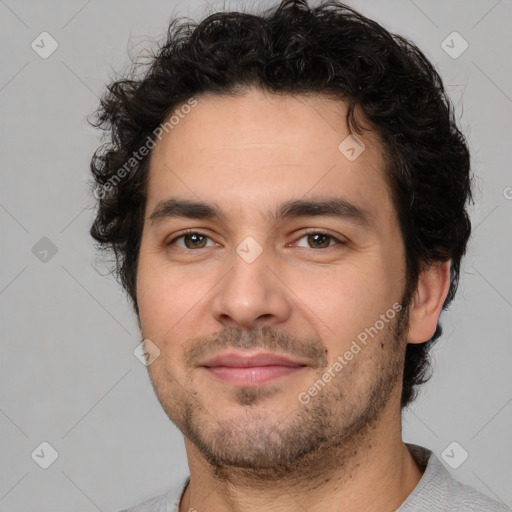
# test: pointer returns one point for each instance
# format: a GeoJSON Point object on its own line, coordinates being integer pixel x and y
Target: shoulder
{"type": "Point", "coordinates": [168, 502]}
{"type": "Point", "coordinates": [466, 498]}
{"type": "Point", "coordinates": [438, 491]}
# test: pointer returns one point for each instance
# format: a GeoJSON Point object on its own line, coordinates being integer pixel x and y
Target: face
{"type": "Point", "coordinates": [294, 251]}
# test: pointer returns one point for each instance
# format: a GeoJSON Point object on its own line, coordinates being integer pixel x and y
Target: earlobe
{"type": "Point", "coordinates": [428, 300]}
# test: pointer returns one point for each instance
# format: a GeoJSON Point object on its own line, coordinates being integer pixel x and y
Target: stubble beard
{"type": "Point", "coordinates": [332, 430]}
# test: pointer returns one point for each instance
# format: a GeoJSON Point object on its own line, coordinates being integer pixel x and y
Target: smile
{"type": "Point", "coordinates": [252, 375]}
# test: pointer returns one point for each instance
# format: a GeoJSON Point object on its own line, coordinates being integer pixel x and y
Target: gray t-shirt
{"type": "Point", "coordinates": [437, 491]}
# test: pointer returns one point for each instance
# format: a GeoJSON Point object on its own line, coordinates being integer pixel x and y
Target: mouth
{"type": "Point", "coordinates": [240, 369]}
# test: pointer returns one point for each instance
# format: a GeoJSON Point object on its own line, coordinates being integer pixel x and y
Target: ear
{"type": "Point", "coordinates": [428, 300]}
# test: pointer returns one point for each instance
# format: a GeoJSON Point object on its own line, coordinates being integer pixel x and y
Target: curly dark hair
{"type": "Point", "coordinates": [292, 49]}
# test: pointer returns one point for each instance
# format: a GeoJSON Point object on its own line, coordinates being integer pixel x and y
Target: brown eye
{"type": "Point", "coordinates": [192, 240]}
{"type": "Point", "coordinates": [319, 240]}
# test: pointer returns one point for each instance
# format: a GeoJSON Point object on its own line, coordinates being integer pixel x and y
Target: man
{"type": "Point", "coordinates": [286, 198]}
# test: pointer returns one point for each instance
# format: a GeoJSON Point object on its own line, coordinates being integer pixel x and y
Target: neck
{"type": "Point", "coordinates": [374, 472]}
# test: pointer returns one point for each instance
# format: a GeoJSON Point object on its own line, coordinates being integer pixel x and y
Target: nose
{"type": "Point", "coordinates": [251, 295]}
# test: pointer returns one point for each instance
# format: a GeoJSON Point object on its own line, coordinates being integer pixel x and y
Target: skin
{"type": "Point", "coordinates": [251, 448]}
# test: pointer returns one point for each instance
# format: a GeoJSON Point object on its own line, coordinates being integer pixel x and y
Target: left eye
{"type": "Point", "coordinates": [318, 240]}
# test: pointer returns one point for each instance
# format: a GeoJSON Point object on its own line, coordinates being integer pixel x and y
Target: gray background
{"type": "Point", "coordinates": [68, 374]}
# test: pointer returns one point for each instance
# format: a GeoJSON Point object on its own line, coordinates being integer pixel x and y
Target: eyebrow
{"type": "Point", "coordinates": [328, 207]}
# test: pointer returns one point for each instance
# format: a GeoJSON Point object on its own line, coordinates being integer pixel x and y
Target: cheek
{"type": "Point", "coordinates": [161, 307]}
{"type": "Point", "coordinates": [343, 300]}
{"type": "Point", "coordinates": [169, 298]}
{"type": "Point", "coordinates": [156, 297]}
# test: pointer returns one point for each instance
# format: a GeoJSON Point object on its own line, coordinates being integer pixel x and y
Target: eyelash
{"type": "Point", "coordinates": [307, 233]}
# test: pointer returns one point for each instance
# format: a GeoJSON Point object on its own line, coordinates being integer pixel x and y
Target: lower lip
{"type": "Point", "coordinates": [252, 375]}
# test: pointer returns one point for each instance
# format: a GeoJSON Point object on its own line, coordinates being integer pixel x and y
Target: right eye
{"type": "Point", "coordinates": [191, 240]}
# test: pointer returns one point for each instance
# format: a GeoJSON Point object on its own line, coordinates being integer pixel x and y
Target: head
{"type": "Point", "coordinates": [249, 117]}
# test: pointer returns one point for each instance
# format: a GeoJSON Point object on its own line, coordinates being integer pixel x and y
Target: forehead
{"type": "Point", "coordinates": [256, 149]}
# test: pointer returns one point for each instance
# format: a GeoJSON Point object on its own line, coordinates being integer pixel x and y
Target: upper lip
{"type": "Point", "coordinates": [240, 360]}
